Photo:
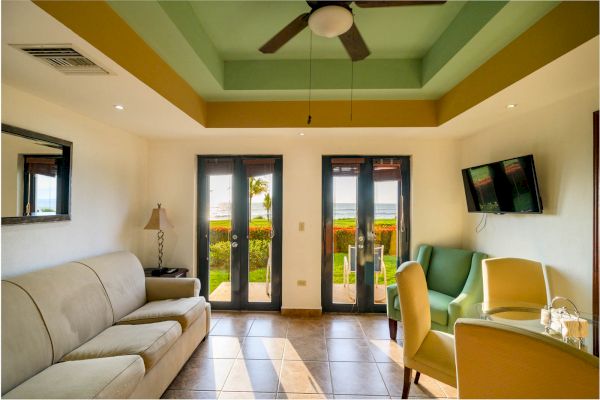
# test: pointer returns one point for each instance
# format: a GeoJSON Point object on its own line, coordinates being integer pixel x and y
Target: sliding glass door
{"type": "Point", "coordinates": [239, 231]}
{"type": "Point", "coordinates": [365, 229]}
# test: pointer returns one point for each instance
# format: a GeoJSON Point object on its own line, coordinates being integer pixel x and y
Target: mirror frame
{"type": "Point", "coordinates": [67, 154]}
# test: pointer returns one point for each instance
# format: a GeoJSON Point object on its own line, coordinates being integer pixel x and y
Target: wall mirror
{"type": "Point", "coordinates": [36, 177]}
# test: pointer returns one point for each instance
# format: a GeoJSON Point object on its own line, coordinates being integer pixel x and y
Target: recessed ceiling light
{"type": "Point", "coordinates": [119, 107]}
{"type": "Point", "coordinates": [511, 106]}
{"type": "Point", "coordinates": [301, 134]}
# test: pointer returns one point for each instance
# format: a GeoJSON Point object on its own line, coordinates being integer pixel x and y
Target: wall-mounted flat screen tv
{"type": "Point", "coordinates": [508, 186]}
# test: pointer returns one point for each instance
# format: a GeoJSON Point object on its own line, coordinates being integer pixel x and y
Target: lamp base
{"type": "Point", "coordinates": [163, 271]}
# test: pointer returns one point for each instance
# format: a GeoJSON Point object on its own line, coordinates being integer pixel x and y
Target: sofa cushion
{"type": "Point", "coordinates": [103, 378]}
{"type": "Point", "coordinates": [448, 270]}
{"type": "Point", "coordinates": [122, 276]}
{"type": "Point", "coordinates": [72, 302]}
{"type": "Point", "coordinates": [438, 304]}
{"type": "Point", "coordinates": [26, 347]}
{"type": "Point", "coordinates": [150, 341]}
{"type": "Point", "coordinates": [185, 311]}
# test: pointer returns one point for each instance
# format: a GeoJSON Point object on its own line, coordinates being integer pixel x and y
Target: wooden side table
{"type": "Point", "coordinates": [180, 273]}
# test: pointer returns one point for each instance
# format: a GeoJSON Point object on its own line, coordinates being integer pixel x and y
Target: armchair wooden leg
{"type": "Point", "coordinates": [393, 328]}
{"type": "Point", "coordinates": [417, 376]}
{"type": "Point", "coordinates": [406, 387]}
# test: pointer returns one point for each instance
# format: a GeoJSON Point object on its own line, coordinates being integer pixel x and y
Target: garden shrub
{"type": "Point", "coordinates": [221, 233]}
{"type": "Point", "coordinates": [258, 254]}
{"type": "Point", "coordinates": [220, 254]}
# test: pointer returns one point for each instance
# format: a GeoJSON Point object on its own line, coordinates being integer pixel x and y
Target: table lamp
{"type": "Point", "coordinates": [158, 220]}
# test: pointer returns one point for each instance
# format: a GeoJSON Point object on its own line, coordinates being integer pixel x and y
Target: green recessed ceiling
{"type": "Point", "coordinates": [417, 52]}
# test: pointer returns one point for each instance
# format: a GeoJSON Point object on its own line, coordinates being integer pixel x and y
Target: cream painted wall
{"type": "Point", "coordinates": [108, 183]}
{"type": "Point", "coordinates": [437, 194]}
{"type": "Point", "coordinates": [560, 138]}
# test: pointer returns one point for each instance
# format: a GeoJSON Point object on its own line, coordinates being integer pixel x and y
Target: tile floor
{"type": "Point", "coordinates": [267, 356]}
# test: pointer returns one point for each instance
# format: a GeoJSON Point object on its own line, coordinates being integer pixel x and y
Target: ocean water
{"type": "Point", "coordinates": [340, 210]}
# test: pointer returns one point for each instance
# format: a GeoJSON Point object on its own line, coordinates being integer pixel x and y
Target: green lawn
{"type": "Point", "coordinates": [221, 275]}
{"type": "Point", "coordinates": [258, 275]}
{"type": "Point", "coordinates": [338, 269]}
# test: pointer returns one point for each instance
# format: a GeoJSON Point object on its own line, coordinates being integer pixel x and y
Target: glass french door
{"type": "Point", "coordinates": [239, 231]}
{"type": "Point", "coordinates": [366, 219]}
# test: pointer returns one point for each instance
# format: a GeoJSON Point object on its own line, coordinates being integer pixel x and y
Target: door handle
{"type": "Point", "coordinates": [234, 244]}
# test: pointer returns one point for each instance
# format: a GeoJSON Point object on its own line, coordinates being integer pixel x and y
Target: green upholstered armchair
{"type": "Point", "coordinates": [454, 284]}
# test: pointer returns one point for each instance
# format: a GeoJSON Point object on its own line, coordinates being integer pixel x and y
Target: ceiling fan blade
{"type": "Point", "coordinates": [286, 34]}
{"type": "Point", "coordinates": [377, 4]}
{"type": "Point", "coordinates": [355, 45]}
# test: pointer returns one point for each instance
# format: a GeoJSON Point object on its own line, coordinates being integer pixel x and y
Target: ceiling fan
{"type": "Point", "coordinates": [334, 18]}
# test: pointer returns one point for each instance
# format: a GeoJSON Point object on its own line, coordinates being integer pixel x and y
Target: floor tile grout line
{"type": "Point", "coordinates": [233, 364]}
{"type": "Point", "coordinates": [383, 380]}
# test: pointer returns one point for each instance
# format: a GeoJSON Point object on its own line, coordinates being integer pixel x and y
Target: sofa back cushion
{"type": "Point", "coordinates": [123, 278]}
{"type": "Point", "coordinates": [26, 346]}
{"type": "Point", "coordinates": [448, 270]}
{"type": "Point", "coordinates": [72, 302]}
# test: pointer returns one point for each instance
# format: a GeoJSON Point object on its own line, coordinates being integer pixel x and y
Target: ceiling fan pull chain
{"type": "Point", "coordinates": [309, 119]}
{"type": "Point", "coordinates": [351, 86]}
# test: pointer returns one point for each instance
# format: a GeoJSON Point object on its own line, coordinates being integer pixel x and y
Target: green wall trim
{"type": "Point", "coordinates": [174, 29]}
{"type": "Point", "coordinates": [326, 74]}
{"type": "Point", "coordinates": [183, 16]}
{"type": "Point", "coordinates": [168, 42]}
{"type": "Point", "coordinates": [469, 21]}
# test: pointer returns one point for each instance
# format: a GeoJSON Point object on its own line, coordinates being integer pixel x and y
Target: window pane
{"type": "Point", "coordinates": [220, 201]}
{"type": "Point", "coordinates": [344, 239]}
{"type": "Point", "coordinates": [260, 192]}
{"type": "Point", "coordinates": [45, 195]}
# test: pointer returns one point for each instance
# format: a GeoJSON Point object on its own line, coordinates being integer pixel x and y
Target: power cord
{"type": "Point", "coordinates": [482, 223]}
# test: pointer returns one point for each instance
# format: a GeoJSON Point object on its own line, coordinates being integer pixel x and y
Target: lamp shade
{"type": "Point", "coordinates": [158, 220]}
{"type": "Point", "coordinates": [330, 21]}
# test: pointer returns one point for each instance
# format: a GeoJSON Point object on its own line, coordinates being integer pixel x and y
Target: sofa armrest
{"type": "Point", "coordinates": [171, 288]}
{"type": "Point", "coordinates": [472, 293]}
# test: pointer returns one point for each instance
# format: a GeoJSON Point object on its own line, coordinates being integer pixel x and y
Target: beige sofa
{"type": "Point", "coordinates": [97, 328]}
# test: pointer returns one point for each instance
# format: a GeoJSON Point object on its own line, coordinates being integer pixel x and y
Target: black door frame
{"type": "Point", "coordinates": [366, 219]}
{"type": "Point", "coordinates": [239, 255]}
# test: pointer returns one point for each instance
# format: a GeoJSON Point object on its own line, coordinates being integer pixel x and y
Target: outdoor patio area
{"type": "Point", "coordinates": [258, 293]}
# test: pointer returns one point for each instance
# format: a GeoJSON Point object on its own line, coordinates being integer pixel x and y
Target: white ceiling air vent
{"type": "Point", "coordinates": [64, 58]}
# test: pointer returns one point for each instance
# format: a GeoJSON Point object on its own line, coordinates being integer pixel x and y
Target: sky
{"type": "Point", "coordinates": [220, 189]}
{"type": "Point", "coordinates": [344, 190]}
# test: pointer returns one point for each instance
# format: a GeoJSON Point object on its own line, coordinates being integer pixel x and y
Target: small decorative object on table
{"type": "Point", "coordinates": [158, 220]}
{"type": "Point", "coordinates": [172, 272]}
{"type": "Point", "coordinates": [561, 321]}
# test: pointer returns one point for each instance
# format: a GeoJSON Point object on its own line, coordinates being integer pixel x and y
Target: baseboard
{"type": "Point", "coordinates": [301, 312]}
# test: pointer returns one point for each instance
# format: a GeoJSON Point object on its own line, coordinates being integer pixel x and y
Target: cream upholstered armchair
{"type": "Point", "coordinates": [501, 361]}
{"type": "Point", "coordinates": [513, 281]}
{"type": "Point", "coordinates": [427, 351]}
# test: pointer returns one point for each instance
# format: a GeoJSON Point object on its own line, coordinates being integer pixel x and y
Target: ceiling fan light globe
{"type": "Point", "coordinates": [330, 21]}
